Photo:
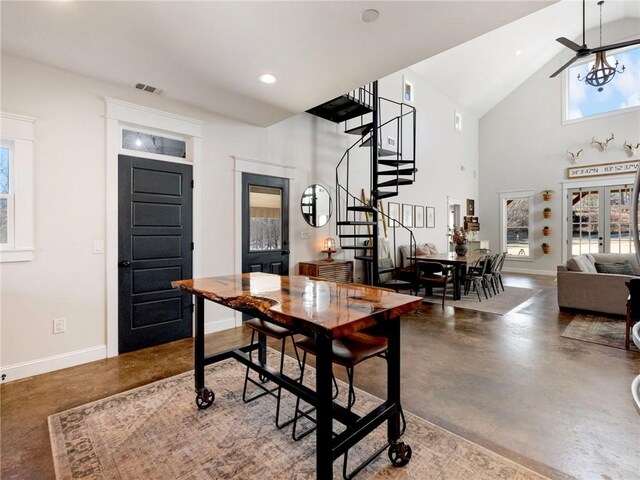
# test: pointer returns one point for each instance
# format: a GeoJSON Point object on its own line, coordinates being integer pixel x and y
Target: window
{"type": "Point", "coordinates": [265, 222]}
{"type": "Point", "coordinates": [16, 188]}
{"type": "Point", "coordinates": [146, 142]}
{"type": "Point", "coordinates": [620, 94]}
{"type": "Point", "coordinates": [6, 214]}
{"type": "Point", "coordinates": [517, 215]}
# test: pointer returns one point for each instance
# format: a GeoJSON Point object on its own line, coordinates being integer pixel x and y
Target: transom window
{"type": "Point", "coordinates": [620, 94]}
{"type": "Point", "coordinates": [517, 215]}
{"type": "Point", "coordinates": [149, 143]}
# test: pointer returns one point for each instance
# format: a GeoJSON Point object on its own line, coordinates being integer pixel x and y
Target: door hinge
{"type": "Point", "coordinates": [191, 183]}
{"type": "Point", "coordinates": [192, 246]}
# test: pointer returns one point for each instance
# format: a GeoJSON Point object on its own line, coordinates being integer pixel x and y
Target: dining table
{"type": "Point", "coordinates": [458, 262]}
{"type": "Point", "coordinates": [324, 311]}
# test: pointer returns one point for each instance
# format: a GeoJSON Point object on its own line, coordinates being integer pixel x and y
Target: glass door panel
{"type": "Point", "coordinates": [265, 218]}
{"type": "Point", "coordinates": [619, 239]}
{"type": "Point", "coordinates": [585, 221]}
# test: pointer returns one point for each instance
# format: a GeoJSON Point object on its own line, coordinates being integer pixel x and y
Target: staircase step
{"type": "Point", "coordinates": [400, 171]}
{"type": "Point", "coordinates": [363, 258]}
{"type": "Point", "coordinates": [361, 208]}
{"type": "Point", "coordinates": [350, 222]}
{"type": "Point", "coordinates": [395, 163]}
{"type": "Point", "coordinates": [382, 152]}
{"type": "Point", "coordinates": [380, 194]}
{"type": "Point", "coordinates": [356, 247]}
{"type": "Point", "coordinates": [385, 270]}
{"type": "Point", "coordinates": [396, 181]}
{"type": "Point", "coordinates": [360, 130]}
{"type": "Point", "coordinates": [340, 109]}
{"type": "Point", "coordinates": [396, 284]}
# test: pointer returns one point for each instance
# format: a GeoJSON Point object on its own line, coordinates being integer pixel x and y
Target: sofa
{"type": "Point", "coordinates": [584, 285]}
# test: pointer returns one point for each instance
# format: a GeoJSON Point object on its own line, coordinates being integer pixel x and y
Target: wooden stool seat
{"type": "Point", "coordinates": [269, 329]}
{"type": "Point", "coordinates": [350, 349]}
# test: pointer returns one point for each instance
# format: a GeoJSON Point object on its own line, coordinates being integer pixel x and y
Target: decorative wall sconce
{"type": "Point", "coordinates": [574, 156]}
{"type": "Point", "coordinates": [631, 148]}
{"type": "Point", "coordinates": [604, 144]}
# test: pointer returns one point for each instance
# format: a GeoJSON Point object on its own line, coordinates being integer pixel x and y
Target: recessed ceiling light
{"type": "Point", "coordinates": [268, 78]}
{"type": "Point", "coordinates": [518, 52]}
{"type": "Point", "coordinates": [370, 15]}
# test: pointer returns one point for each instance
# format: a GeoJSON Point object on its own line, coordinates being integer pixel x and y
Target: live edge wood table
{"type": "Point", "coordinates": [324, 311]}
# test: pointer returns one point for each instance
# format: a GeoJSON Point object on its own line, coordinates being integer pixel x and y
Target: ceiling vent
{"type": "Point", "coordinates": [148, 88]}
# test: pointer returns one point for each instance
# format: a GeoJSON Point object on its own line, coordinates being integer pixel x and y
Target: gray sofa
{"type": "Point", "coordinates": [581, 287]}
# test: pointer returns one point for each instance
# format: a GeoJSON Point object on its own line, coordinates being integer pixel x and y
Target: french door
{"type": "Point", "coordinates": [599, 220]}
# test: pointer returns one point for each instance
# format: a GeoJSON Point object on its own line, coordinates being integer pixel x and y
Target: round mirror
{"type": "Point", "coordinates": [316, 205]}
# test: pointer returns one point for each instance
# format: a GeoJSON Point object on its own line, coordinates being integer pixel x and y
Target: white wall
{"type": "Point", "coordinates": [523, 146]}
{"type": "Point", "coordinates": [67, 280]}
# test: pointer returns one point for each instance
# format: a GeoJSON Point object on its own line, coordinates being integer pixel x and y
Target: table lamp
{"type": "Point", "coordinates": [329, 248]}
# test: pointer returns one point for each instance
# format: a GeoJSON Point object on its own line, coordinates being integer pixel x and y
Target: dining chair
{"type": "Point", "coordinates": [476, 276]}
{"type": "Point", "coordinates": [497, 271]}
{"type": "Point", "coordinates": [434, 274]}
{"type": "Point", "coordinates": [633, 309]}
{"type": "Point", "coordinates": [490, 270]}
{"type": "Point", "coordinates": [279, 333]}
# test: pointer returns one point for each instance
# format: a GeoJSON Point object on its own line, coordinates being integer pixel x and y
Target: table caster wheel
{"type": "Point", "coordinates": [263, 378]}
{"type": "Point", "coordinates": [399, 454]}
{"type": "Point", "coordinates": [205, 398]}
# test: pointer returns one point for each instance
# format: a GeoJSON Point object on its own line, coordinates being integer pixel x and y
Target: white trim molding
{"type": "Point", "coordinates": [551, 273]}
{"type": "Point", "coordinates": [52, 363]}
{"type": "Point", "coordinates": [18, 131]}
{"type": "Point", "coordinates": [117, 115]}
{"type": "Point", "coordinates": [259, 167]}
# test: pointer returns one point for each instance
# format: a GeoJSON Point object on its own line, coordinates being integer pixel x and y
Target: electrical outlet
{"type": "Point", "coordinates": [59, 325]}
{"type": "Point", "coordinates": [98, 246]}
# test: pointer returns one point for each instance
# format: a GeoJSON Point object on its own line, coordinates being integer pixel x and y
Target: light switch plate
{"type": "Point", "coordinates": [305, 234]}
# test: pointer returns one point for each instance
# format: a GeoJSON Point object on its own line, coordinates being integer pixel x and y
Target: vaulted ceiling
{"type": "Point", "coordinates": [210, 54]}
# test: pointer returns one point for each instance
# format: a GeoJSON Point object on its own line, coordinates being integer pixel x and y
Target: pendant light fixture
{"type": "Point", "coordinates": [602, 72]}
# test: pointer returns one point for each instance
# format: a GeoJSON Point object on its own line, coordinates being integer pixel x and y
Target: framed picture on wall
{"type": "Point", "coordinates": [407, 215]}
{"type": "Point", "coordinates": [471, 207]}
{"type": "Point", "coordinates": [394, 214]}
{"type": "Point", "coordinates": [418, 216]}
{"type": "Point", "coordinates": [431, 217]}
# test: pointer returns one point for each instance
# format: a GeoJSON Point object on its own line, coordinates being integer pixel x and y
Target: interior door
{"type": "Point", "coordinates": [265, 224]}
{"type": "Point", "coordinates": [155, 248]}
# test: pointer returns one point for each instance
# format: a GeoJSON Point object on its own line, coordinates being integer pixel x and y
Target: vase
{"type": "Point", "coordinates": [461, 249]}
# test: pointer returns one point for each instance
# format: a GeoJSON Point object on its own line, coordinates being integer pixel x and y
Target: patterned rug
{"type": "Point", "coordinates": [156, 431]}
{"type": "Point", "coordinates": [598, 329]}
{"type": "Point", "coordinates": [499, 304]}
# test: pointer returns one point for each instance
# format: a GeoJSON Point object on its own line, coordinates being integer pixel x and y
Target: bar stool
{"type": "Point", "coordinates": [347, 351]}
{"type": "Point", "coordinates": [279, 333]}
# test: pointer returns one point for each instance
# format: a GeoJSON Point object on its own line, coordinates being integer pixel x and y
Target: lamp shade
{"type": "Point", "coordinates": [329, 244]}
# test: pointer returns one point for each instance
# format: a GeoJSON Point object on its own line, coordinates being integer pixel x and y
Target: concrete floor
{"type": "Point", "coordinates": [510, 383]}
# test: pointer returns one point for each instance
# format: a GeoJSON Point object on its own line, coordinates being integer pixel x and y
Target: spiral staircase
{"type": "Point", "coordinates": [369, 118]}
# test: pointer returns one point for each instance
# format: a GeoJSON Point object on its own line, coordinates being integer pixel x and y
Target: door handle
{"type": "Point", "coordinates": [125, 263]}
{"type": "Point", "coordinates": [286, 252]}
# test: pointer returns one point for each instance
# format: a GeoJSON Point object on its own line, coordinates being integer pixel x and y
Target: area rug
{"type": "Point", "coordinates": [598, 329]}
{"type": "Point", "coordinates": [502, 303]}
{"type": "Point", "coordinates": [156, 431]}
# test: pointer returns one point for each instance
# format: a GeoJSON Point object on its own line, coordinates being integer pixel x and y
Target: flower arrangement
{"type": "Point", "coordinates": [459, 236]}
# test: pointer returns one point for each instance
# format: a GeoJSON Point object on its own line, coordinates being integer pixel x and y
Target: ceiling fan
{"type": "Point", "coordinates": [603, 72]}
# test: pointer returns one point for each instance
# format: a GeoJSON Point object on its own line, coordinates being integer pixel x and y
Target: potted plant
{"type": "Point", "coordinates": [547, 212]}
{"type": "Point", "coordinates": [546, 231]}
{"type": "Point", "coordinates": [547, 195]}
{"type": "Point", "coordinates": [546, 248]}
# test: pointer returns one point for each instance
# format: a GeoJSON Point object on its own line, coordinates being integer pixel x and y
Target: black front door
{"type": "Point", "coordinates": [154, 248]}
{"type": "Point", "coordinates": [265, 224]}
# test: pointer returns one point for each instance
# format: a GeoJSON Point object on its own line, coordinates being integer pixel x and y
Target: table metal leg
{"type": "Point", "coordinates": [204, 397]}
{"type": "Point", "coordinates": [324, 454]}
{"type": "Point", "coordinates": [399, 452]}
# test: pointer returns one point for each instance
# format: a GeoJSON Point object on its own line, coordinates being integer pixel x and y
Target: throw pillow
{"type": "Point", "coordinates": [422, 250]}
{"type": "Point", "coordinates": [432, 247]}
{"type": "Point", "coordinates": [620, 268]}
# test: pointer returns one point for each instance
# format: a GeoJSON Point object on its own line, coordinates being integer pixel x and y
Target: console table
{"type": "Point", "coordinates": [339, 271]}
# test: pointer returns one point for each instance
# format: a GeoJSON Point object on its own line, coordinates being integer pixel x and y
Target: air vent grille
{"type": "Point", "coordinates": [147, 88]}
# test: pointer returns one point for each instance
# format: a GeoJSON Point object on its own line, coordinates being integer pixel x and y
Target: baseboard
{"type": "Point", "coordinates": [55, 362]}
{"type": "Point", "coordinates": [551, 273]}
{"type": "Point", "coordinates": [219, 325]}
